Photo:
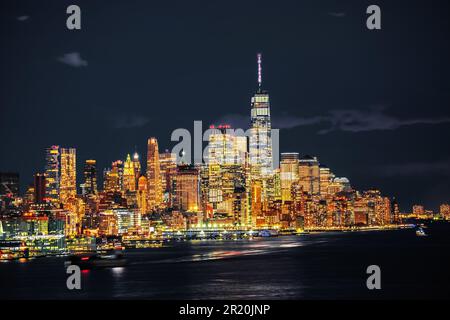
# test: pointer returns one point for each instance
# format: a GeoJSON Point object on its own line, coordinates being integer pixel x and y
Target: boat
{"type": "Point", "coordinates": [420, 232]}
{"type": "Point", "coordinates": [110, 259]}
{"type": "Point", "coordinates": [268, 233]}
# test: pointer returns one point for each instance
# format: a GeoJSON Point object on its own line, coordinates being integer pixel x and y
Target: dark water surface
{"type": "Point", "coordinates": [314, 266]}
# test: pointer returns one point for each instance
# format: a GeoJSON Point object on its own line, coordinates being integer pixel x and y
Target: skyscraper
{"type": "Point", "coordinates": [136, 166]}
{"type": "Point", "coordinates": [68, 182]}
{"type": "Point", "coordinates": [52, 171]}
{"type": "Point", "coordinates": [260, 131]}
{"type": "Point", "coordinates": [90, 177]}
{"type": "Point", "coordinates": [288, 174]}
{"type": "Point", "coordinates": [168, 166]}
{"type": "Point", "coordinates": [309, 174]}
{"type": "Point", "coordinates": [186, 191]}
{"type": "Point", "coordinates": [153, 174]}
{"type": "Point", "coordinates": [129, 178]}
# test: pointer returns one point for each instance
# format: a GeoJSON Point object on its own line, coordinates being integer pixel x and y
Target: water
{"type": "Point", "coordinates": [315, 266]}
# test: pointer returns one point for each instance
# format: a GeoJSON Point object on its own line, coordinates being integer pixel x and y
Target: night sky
{"type": "Point", "coordinates": [372, 105]}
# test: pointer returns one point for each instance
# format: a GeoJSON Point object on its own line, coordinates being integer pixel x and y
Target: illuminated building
{"type": "Point", "coordinates": [153, 175]}
{"type": "Point", "coordinates": [186, 188]}
{"type": "Point", "coordinates": [444, 211]}
{"type": "Point", "coordinates": [225, 146]}
{"type": "Point", "coordinates": [129, 175]}
{"type": "Point", "coordinates": [226, 160]}
{"type": "Point", "coordinates": [29, 197]}
{"type": "Point", "coordinates": [136, 166]}
{"type": "Point", "coordinates": [338, 184]}
{"type": "Point", "coordinates": [260, 131]}
{"type": "Point", "coordinates": [9, 184]}
{"type": "Point", "coordinates": [128, 221]}
{"type": "Point", "coordinates": [240, 207]}
{"type": "Point", "coordinates": [397, 219]}
{"type": "Point", "coordinates": [418, 211]}
{"type": "Point", "coordinates": [288, 174]}
{"type": "Point", "coordinates": [168, 166]}
{"type": "Point", "coordinates": [90, 177]}
{"type": "Point", "coordinates": [309, 175]}
{"type": "Point", "coordinates": [52, 172]}
{"type": "Point", "coordinates": [68, 183]}
{"type": "Point", "coordinates": [326, 177]}
{"type": "Point", "coordinates": [113, 178]}
{"type": "Point", "coordinates": [39, 188]}
{"type": "Point", "coordinates": [76, 209]}
{"type": "Point", "coordinates": [108, 224]}
{"type": "Point", "coordinates": [142, 194]}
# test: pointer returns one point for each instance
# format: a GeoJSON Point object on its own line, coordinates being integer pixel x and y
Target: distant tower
{"type": "Point", "coordinates": [129, 178]}
{"type": "Point", "coordinates": [90, 177]}
{"type": "Point", "coordinates": [153, 174]}
{"type": "Point", "coordinates": [68, 183]}
{"type": "Point", "coordinates": [136, 166]}
{"type": "Point", "coordinates": [52, 173]}
{"type": "Point", "coordinates": [260, 131]}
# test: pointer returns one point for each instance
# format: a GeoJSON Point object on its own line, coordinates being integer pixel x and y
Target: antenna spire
{"type": "Point", "coordinates": [259, 70]}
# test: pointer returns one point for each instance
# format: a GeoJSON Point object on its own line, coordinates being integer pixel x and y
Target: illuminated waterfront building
{"type": "Point", "coordinates": [153, 175]}
{"type": "Point", "coordinates": [108, 225]}
{"type": "Point", "coordinates": [39, 188]}
{"type": "Point", "coordinates": [186, 188]}
{"type": "Point", "coordinates": [68, 183]}
{"type": "Point", "coordinates": [129, 175]}
{"type": "Point", "coordinates": [9, 184]}
{"type": "Point", "coordinates": [289, 170]}
{"type": "Point", "coordinates": [128, 221]}
{"type": "Point", "coordinates": [260, 148]}
{"type": "Point", "coordinates": [418, 211]}
{"type": "Point", "coordinates": [309, 175]}
{"type": "Point", "coordinates": [90, 177]}
{"type": "Point", "coordinates": [444, 211]}
{"type": "Point", "coordinates": [52, 172]}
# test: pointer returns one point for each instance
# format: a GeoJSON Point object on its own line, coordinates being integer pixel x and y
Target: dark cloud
{"type": "Point", "coordinates": [372, 119]}
{"type": "Point", "coordinates": [125, 121]}
{"type": "Point", "coordinates": [22, 18]}
{"type": "Point", "coordinates": [337, 14]}
{"type": "Point", "coordinates": [439, 168]}
{"type": "Point", "coordinates": [73, 59]}
{"type": "Point", "coordinates": [350, 120]}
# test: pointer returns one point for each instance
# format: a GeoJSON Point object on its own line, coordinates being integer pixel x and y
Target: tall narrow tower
{"type": "Point", "coordinates": [52, 173]}
{"type": "Point", "coordinates": [68, 185]}
{"type": "Point", "coordinates": [260, 131]}
{"type": "Point", "coordinates": [90, 177]}
{"type": "Point", "coordinates": [153, 175]}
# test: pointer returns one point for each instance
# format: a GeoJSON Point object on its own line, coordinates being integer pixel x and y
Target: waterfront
{"type": "Point", "coordinates": [314, 266]}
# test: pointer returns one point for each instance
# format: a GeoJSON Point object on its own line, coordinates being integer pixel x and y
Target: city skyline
{"type": "Point", "coordinates": [317, 79]}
